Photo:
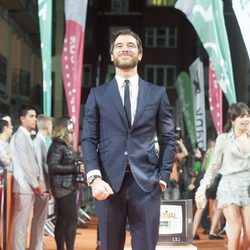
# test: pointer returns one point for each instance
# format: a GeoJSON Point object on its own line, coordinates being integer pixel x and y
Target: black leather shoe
{"type": "Point", "coordinates": [196, 237]}
{"type": "Point", "coordinates": [206, 231]}
{"type": "Point", "coordinates": [214, 237]}
{"type": "Point", "coordinates": [222, 232]}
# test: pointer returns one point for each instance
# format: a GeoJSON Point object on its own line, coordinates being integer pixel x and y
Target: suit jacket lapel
{"type": "Point", "coordinates": [114, 95]}
{"type": "Point", "coordinates": [144, 90]}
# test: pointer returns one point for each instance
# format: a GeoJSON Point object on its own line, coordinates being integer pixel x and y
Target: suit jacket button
{"type": "Point", "coordinates": [125, 153]}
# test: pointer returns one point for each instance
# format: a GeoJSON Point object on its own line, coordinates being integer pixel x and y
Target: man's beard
{"type": "Point", "coordinates": [126, 65]}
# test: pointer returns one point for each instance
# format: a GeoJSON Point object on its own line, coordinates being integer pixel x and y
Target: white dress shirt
{"type": "Point", "coordinates": [133, 91]}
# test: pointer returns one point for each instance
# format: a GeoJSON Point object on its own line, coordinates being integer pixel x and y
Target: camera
{"type": "Point", "coordinates": [178, 133]}
{"type": "Point", "coordinates": [80, 177]}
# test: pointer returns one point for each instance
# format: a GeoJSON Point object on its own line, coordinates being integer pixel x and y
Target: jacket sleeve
{"type": "Point", "coordinates": [27, 161]}
{"type": "Point", "coordinates": [212, 169]}
{"type": "Point", "coordinates": [91, 134]}
{"type": "Point", "coordinates": [39, 158]}
{"type": "Point", "coordinates": [5, 159]}
{"type": "Point", "coordinates": [55, 161]}
{"type": "Point", "coordinates": [166, 137]}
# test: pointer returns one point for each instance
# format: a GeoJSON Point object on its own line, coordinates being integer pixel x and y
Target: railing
{"type": "Point", "coordinates": [86, 208]}
{"type": "Point", "coordinates": [5, 187]}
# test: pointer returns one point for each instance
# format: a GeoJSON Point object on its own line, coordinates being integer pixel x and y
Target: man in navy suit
{"type": "Point", "coordinates": [124, 169]}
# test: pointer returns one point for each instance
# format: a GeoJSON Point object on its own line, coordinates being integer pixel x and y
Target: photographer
{"type": "Point", "coordinates": [173, 190]}
{"type": "Point", "coordinates": [65, 171]}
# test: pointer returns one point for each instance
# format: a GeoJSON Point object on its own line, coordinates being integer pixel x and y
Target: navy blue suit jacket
{"type": "Point", "coordinates": [108, 142]}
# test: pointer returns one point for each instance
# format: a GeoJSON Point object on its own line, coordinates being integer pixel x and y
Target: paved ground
{"type": "Point", "coordinates": [86, 240]}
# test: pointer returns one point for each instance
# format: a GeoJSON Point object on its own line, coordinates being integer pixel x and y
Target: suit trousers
{"type": "Point", "coordinates": [131, 207]}
{"type": "Point", "coordinates": [22, 209]}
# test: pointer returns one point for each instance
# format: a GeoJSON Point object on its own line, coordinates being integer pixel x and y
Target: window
{"type": "Point", "coordinates": [88, 37]}
{"type": "Point", "coordinates": [3, 76]}
{"type": "Point", "coordinates": [161, 74]}
{"type": "Point", "coordinates": [24, 82]}
{"type": "Point", "coordinates": [86, 75]}
{"type": "Point", "coordinates": [90, 2]}
{"type": "Point", "coordinates": [119, 6]}
{"type": "Point", "coordinates": [161, 2]}
{"type": "Point", "coordinates": [114, 29]}
{"type": "Point", "coordinates": [111, 73]}
{"type": "Point", "coordinates": [161, 37]}
{"type": "Point", "coordinates": [3, 70]}
{"type": "Point", "coordinates": [20, 83]}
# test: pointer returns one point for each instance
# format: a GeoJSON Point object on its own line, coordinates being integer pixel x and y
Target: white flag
{"type": "Point", "coordinates": [242, 12]}
{"type": "Point", "coordinates": [208, 20]}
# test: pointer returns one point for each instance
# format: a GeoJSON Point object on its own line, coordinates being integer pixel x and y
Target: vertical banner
{"type": "Point", "coordinates": [72, 57]}
{"type": "Point", "coordinates": [197, 79]}
{"type": "Point", "coordinates": [215, 100]}
{"type": "Point", "coordinates": [208, 20]}
{"type": "Point", "coordinates": [184, 90]}
{"type": "Point", "coordinates": [45, 24]}
{"type": "Point", "coordinates": [242, 12]}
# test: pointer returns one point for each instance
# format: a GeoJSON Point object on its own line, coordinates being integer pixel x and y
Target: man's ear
{"type": "Point", "coordinates": [112, 58]}
{"type": "Point", "coordinates": [140, 56]}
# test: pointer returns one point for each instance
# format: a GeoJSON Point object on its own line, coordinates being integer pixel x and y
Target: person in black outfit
{"type": "Point", "coordinates": [64, 167]}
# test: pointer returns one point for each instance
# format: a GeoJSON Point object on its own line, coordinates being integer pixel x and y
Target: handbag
{"type": "Point", "coordinates": [212, 189]}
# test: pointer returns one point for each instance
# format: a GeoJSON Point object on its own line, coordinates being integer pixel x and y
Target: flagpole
{"type": "Point", "coordinates": [98, 70]}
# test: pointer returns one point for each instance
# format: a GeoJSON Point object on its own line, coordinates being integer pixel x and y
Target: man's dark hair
{"type": "Point", "coordinates": [123, 33]}
{"type": "Point", "coordinates": [24, 109]}
{"type": "Point", "coordinates": [3, 115]}
{"type": "Point", "coordinates": [3, 123]}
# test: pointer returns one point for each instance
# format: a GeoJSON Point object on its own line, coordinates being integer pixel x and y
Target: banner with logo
{"type": "Point", "coordinates": [72, 57]}
{"type": "Point", "coordinates": [45, 24]}
{"type": "Point", "coordinates": [242, 12]}
{"type": "Point", "coordinates": [197, 79]}
{"type": "Point", "coordinates": [184, 90]}
{"type": "Point", "coordinates": [215, 100]}
{"type": "Point", "coordinates": [208, 20]}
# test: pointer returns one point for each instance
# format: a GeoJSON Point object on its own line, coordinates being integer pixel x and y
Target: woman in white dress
{"type": "Point", "coordinates": [231, 158]}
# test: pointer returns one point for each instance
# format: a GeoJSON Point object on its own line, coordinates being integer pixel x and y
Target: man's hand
{"type": "Point", "coordinates": [101, 189]}
{"type": "Point", "coordinates": [163, 186]}
{"type": "Point", "coordinates": [191, 187]}
{"type": "Point", "coordinates": [39, 189]}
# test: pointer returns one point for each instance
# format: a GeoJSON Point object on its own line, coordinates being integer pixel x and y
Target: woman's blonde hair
{"type": "Point", "coordinates": [61, 129]}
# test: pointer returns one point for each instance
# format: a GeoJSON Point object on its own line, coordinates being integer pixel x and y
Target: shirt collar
{"type": "Point", "coordinates": [39, 134]}
{"type": "Point", "coordinates": [232, 135]}
{"type": "Point", "coordinates": [26, 131]}
{"type": "Point", "coordinates": [133, 80]}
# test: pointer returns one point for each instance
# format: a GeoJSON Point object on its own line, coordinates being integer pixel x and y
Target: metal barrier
{"type": "Point", "coordinates": [49, 225]}
{"type": "Point", "coordinates": [86, 209]}
{"type": "Point", "coordinates": [3, 199]}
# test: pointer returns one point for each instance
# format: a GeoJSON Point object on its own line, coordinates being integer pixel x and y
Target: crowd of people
{"type": "Point", "coordinates": [127, 174]}
{"type": "Point", "coordinates": [40, 168]}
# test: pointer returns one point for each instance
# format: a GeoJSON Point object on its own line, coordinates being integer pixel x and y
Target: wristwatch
{"type": "Point", "coordinates": [92, 178]}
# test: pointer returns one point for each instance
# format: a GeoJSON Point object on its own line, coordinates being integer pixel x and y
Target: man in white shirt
{"type": "Point", "coordinates": [27, 178]}
{"type": "Point", "coordinates": [44, 126]}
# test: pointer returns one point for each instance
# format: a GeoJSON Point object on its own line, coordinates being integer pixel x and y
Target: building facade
{"type": "Point", "coordinates": [169, 41]}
